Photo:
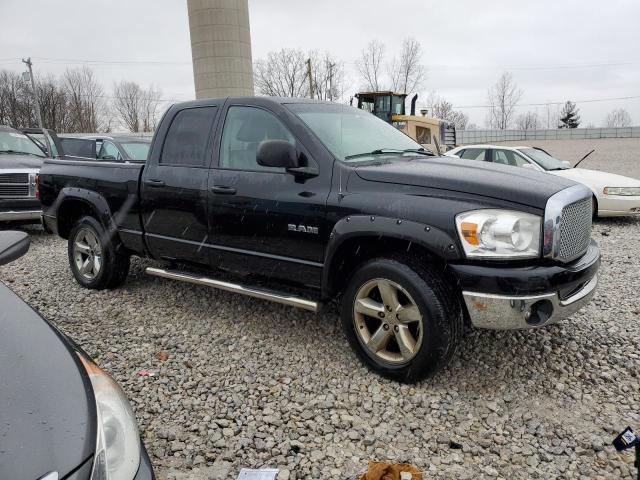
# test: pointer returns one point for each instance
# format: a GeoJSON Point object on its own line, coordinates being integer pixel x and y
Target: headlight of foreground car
{"type": "Point", "coordinates": [499, 234]}
{"type": "Point", "coordinates": [622, 191]}
{"type": "Point", "coordinates": [117, 454]}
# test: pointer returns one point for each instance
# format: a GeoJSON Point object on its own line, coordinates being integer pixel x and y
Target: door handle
{"type": "Point", "coordinates": [154, 183]}
{"type": "Point", "coordinates": [223, 190]}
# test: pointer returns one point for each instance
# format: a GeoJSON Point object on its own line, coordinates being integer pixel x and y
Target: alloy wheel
{"type": "Point", "coordinates": [87, 253]}
{"type": "Point", "coordinates": [388, 321]}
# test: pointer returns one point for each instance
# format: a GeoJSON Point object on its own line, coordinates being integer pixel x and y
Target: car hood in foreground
{"type": "Point", "coordinates": [478, 178]}
{"type": "Point", "coordinates": [10, 161]}
{"type": "Point", "coordinates": [47, 409]}
{"type": "Point", "coordinates": [597, 180]}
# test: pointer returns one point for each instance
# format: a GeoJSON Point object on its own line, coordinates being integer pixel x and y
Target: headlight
{"type": "Point", "coordinates": [117, 454]}
{"type": "Point", "coordinates": [499, 234]}
{"type": "Point", "coordinates": [622, 191]}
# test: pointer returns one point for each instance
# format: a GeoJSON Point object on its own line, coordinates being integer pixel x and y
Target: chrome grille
{"type": "Point", "coordinates": [575, 229]}
{"type": "Point", "coordinates": [14, 178]}
{"type": "Point", "coordinates": [14, 190]}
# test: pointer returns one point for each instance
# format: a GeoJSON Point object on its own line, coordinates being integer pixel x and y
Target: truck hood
{"type": "Point", "coordinates": [597, 180]}
{"type": "Point", "coordinates": [502, 182]}
{"type": "Point", "coordinates": [48, 418]}
{"type": "Point", "coordinates": [9, 161]}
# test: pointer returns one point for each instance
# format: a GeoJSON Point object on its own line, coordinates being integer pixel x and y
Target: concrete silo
{"type": "Point", "coordinates": [221, 47]}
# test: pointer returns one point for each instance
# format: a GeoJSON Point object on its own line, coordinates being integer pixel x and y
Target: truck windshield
{"type": "Point", "coordinates": [353, 135]}
{"type": "Point", "coordinates": [545, 160]}
{"type": "Point", "coordinates": [18, 144]}
{"type": "Point", "coordinates": [138, 151]}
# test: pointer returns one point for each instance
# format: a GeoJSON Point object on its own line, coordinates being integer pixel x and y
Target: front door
{"type": "Point", "coordinates": [174, 189]}
{"type": "Point", "coordinates": [264, 220]}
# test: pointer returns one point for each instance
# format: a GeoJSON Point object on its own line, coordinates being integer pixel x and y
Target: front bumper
{"type": "Point", "coordinates": [20, 209]}
{"type": "Point", "coordinates": [20, 216]}
{"type": "Point", "coordinates": [618, 206]}
{"type": "Point", "coordinates": [528, 297]}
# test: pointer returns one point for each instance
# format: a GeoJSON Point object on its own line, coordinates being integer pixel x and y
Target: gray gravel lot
{"type": "Point", "coordinates": [246, 383]}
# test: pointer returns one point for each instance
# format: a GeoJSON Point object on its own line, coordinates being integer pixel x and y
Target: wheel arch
{"type": "Point", "coordinates": [357, 239]}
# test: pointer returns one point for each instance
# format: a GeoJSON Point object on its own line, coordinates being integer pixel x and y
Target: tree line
{"type": "Point", "coordinates": [76, 102]}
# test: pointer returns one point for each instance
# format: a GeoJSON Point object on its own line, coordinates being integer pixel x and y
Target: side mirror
{"type": "Point", "coordinates": [566, 164]}
{"type": "Point", "coordinates": [13, 245]}
{"type": "Point", "coordinates": [107, 157]}
{"type": "Point", "coordinates": [529, 166]}
{"type": "Point", "coordinates": [277, 153]}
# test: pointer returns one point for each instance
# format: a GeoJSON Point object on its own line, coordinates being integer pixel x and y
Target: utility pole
{"type": "Point", "coordinates": [310, 77]}
{"type": "Point", "coordinates": [28, 63]}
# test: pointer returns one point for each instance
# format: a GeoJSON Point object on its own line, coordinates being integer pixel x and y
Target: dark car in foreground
{"type": "Point", "coordinates": [61, 416]}
{"type": "Point", "coordinates": [112, 148]}
{"type": "Point", "coordinates": [302, 202]}
{"type": "Point", "coordinates": [20, 161]}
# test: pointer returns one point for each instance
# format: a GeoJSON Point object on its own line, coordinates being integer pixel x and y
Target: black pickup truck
{"type": "Point", "coordinates": [302, 202]}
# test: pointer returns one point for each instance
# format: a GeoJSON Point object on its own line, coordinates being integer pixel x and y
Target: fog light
{"type": "Point", "coordinates": [540, 313]}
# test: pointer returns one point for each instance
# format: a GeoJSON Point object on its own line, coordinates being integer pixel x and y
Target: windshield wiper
{"type": "Point", "coordinates": [385, 151]}
{"type": "Point", "coordinates": [15, 152]}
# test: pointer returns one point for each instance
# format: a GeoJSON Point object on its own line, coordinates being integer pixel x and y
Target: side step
{"type": "Point", "coordinates": [276, 297]}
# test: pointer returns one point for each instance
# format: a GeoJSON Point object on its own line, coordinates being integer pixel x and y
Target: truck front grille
{"type": "Point", "coordinates": [14, 190]}
{"type": "Point", "coordinates": [575, 229]}
{"type": "Point", "coordinates": [14, 178]}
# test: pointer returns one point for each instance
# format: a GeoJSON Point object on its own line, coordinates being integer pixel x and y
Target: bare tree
{"type": "Point", "coordinates": [85, 100]}
{"type": "Point", "coordinates": [135, 107]}
{"type": "Point", "coordinates": [440, 108]}
{"type": "Point", "coordinates": [407, 72]}
{"type": "Point", "coordinates": [370, 65]}
{"type": "Point", "coordinates": [528, 121]}
{"type": "Point", "coordinates": [551, 116]}
{"type": "Point", "coordinates": [617, 118]}
{"type": "Point", "coordinates": [503, 98]}
{"type": "Point", "coordinates": [282, 74]}
{"type": "Point", "coordinates": [328, 76]}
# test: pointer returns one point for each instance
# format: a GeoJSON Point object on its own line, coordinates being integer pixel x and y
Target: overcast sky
{"type": "Point", "coordinates": [555, 49]}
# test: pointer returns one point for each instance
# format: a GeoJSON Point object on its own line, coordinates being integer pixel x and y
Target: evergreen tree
{"type": "Point", "coordinates": [569, 117]}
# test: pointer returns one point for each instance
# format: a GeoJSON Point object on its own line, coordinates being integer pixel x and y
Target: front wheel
{"type": "Point", "coordinates": [402, 319]}
{"type": "Point", "coordinates": [93, 256]}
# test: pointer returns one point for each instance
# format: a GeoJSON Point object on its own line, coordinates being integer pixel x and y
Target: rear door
{"type": "Point", "coordinates": [264, 220]}
{"type": "Point", "coordinates": [174, 186]}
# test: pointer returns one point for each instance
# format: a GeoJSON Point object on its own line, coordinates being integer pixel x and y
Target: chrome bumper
{"type": "Point", "coordinates": [19, 215]}
{"type": "Point", "coordinates": [498, 312]}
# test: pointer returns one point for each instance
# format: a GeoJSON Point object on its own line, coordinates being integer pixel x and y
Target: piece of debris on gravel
{"type": "Point", "coordinates": [239, 382]}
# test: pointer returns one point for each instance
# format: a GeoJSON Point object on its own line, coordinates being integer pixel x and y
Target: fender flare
{"type": "Point", "coordinates": [433, 239]}
{"type": "Point", "coordinates": [96, 202]}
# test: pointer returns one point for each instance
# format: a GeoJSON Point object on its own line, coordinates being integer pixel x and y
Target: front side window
{"type": "Point", "coordinates": [508, 157]}
{"type": "Point", "coordinates": [244, 129]}
{"type": "Point", "coordinates": [351, 134]}
{"type": "Point", "coordinates": [473, 154]}
{"type": "Point", "coordinates": [188, 137]}
{"type": "Point", "coordinates": [109, 152]}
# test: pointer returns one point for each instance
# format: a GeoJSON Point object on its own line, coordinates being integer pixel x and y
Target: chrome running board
{"type": "Point", "coordinates": [276, 297]}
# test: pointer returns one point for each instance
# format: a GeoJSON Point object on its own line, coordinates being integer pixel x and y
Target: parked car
{"type": "Point", "coordinates": [305, 201]}
{"type": "Point", "coordinates": [20, 161]}
{"type": "Point", "coordinates": [613, 195]}
{"type": "Point", "coordinates": [120, 149]}
{"type": "Point", "coordinates": [61, 415]}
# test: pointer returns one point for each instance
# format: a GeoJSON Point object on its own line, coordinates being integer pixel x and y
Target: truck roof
{"type": "Point", "coordinates": [281, 100]}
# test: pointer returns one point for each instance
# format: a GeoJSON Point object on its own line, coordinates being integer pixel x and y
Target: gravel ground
{"type": "Point", "coordinates": [245, 383]}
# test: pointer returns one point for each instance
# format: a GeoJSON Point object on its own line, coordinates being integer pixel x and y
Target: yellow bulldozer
{"type": "Point", "coordinates": [432, 133]}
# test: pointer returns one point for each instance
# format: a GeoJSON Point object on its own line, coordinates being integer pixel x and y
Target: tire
{"type": "Point", "coordinates": [411, 349]}
{"type": "Point", "coordinates": [89, 246]}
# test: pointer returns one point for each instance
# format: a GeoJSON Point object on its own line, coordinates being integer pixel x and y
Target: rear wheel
{"type": "Point", "coordinates": [93, 257]}
{"type": "Point", "coordinates": [402, 319]}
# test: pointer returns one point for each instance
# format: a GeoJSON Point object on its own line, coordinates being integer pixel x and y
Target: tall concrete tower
{"type": "Point", "coordinates": [221, 47]}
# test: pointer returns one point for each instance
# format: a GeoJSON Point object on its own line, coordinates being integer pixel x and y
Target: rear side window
{"type": "Point", "coordinates": [188, 137]}
{"type": "Point", "coordinates": [473, 154]}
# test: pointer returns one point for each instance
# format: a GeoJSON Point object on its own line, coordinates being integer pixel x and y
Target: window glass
{"type": "Point", "coordinates": [507, 157]}
{"type": "Point", "coordinates": [188, 136]}
{"type": "Point", "coordinates": [473, 154]}
{"type": "Point", "coordinates": [109, 150]}
{"type": "Point", "coordinates": [16, 142]}
{"type": "Point", "coordinates": [244, 129]}
{"type": "Point", "coordinates": [545, 160]}
{"type": "Point", "coordinates": [137, 150]}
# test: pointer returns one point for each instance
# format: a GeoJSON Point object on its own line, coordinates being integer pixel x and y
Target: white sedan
{"type": "Point", "coordinates": [614, 195]}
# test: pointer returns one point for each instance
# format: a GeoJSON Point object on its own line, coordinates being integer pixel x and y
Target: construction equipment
{"type": "Point", "coordinates": [430, 132]}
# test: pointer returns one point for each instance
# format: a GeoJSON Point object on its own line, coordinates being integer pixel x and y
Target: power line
{"type": "Point", "coordinates": [110, 62]}
{"type": "Point", "coordinates": [591, 100]}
